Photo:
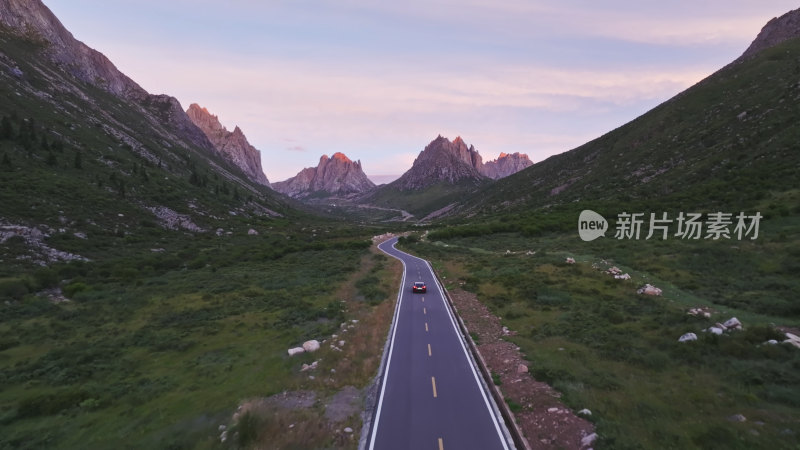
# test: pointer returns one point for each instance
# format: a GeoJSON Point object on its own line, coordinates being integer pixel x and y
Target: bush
{"type": "Point", "coordinates": [45, 278]}
{"type": "Point", "coordinates": [13, 288]}
{"type": "Point", "coordinates": [73, 288]}
{"type": "Point", "coordinates": [247, 429]}
{"type": "Point", "coordinates": [47, 405]}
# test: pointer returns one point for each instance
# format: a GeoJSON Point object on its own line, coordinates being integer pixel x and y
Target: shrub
{"type": "Point", "coordinates": [49, 404]}
{"type": "Point", "coordinates": [14, 288]}
{"type": "Point", "coordinates": [73, 288]}
{"type": "Point", "coordinates": [45, 278]}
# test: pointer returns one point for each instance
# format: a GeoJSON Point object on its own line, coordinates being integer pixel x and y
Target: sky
{"type": "Point", "coordinates": [379, 80]}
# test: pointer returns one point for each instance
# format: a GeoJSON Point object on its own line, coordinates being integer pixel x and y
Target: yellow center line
{"type": "Point", "coordinates": [429, 349]}
{"type": "Point", "coordinates": [426, 326]}
{"type": "Point", "coordinates": [433, 382]}
{"type": "Point", "coordinates": [424, 310]}
{"type": "Point", "coordinates": [423, 299]}
{"type": "Point", "coordinates": [441, 444]}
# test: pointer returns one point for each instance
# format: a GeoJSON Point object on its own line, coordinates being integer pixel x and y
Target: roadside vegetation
{"type": "Point", "coordinates": [160, 348]}
{"type": "Point", "coordinates": [616, 352]}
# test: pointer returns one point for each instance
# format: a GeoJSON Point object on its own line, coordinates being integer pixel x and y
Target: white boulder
{"type": "Point", "coordinates": [311, 366]}
{"type": "Point", "coordinates": [687, 337]}
{"type": "Point", "coordinates": [570, 260]}
{"type": "Point", "coordinates": [792, 339]}
{"type": "Point", "coordinates": [311, 346]}
{"type": "Point", "coordinates": [715, 330]}
{"type": "Point", "coordinates": [649, 289]}
{"type": "Point", "coordinates": [737, 418]}
{"type": "Point", "coordinates": [587, 441]}
{"type": "Point", "coordinates": [252, 232]}
{"type": "Point", "coordinates": [585, 412]}
{"type": "Point", "coordinates": [624, 276]}
{"type": "Point", "coordinates": [734, 323]}
{"type": "Point", "coordinates": [296, 351]}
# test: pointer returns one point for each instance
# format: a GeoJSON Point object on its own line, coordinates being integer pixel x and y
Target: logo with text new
{"type": "Point", "coordinates": [591, 225]}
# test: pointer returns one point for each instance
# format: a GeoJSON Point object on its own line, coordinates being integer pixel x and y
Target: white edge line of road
{"type": "Point", "coordinates": [391, 348]}
{"type": "Point", "coordinates": [491, 411]}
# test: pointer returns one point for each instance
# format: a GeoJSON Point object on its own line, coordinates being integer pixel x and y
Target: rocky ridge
{"type": "Point", "coordinates": [233, 145]}
{"type": "Point", "coordinates": [505, 165]}
{"type": "Point", "coordinates": [334, 175]}
{"type": "Point", "coordinates": [454, 162]}
{"type": "Point", "coordinates": [442, 160]}
{"type": "Point", "coordinates": [32, 19]}
{"type": "Point", "coordinates": [776, 31]}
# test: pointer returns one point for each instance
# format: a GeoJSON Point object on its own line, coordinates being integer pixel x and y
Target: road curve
{"type": "Point", "coordinates": [431, 394]}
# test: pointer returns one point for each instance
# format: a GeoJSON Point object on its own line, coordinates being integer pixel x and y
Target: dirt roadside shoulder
{"type": "Point", "coordinates": [544, 420]}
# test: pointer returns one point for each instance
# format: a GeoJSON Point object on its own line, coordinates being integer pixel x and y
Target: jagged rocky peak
{"type": "Point", "coordinates": [505, 165]}
{"type": "Point", "coordinates": [335, 175]}
{"type": "Point", "coordinates": [442, 161]}
{"type": "Point", "coordinates": [232, 145]}
{"type": "Point", "coordinates": [204, 119]}
{"type": "Point", "coordinates": [776, 31]}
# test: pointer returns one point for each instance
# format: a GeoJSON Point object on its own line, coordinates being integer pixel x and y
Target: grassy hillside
{"type": "Point", "coordinates": [729, 141]}
{"type": "Point", "coordinates": [137, 307]}
{"type": "Point", "coordinates": [728, 144]}
{"type": "Point", "coordinates": [424, 201]}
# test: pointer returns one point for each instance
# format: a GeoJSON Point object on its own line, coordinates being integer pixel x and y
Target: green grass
{"type": "Point", "coordinates": [615, 352]}
{"type": "Point", "coordinates": [421, 202]}
{"type": "Point", "coordinates": [165, 358]}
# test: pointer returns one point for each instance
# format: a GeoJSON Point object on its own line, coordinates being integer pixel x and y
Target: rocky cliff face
{"type": "Point", "coordinates": [505, 165]}
{"type": "Point", "coordinates": [777, 30]}
{"type": "Point", "coordinates": [442, 161]}
{"type": "Point", "coordinates": [335, 175]}
{"type": "Point", "coordinates": [232, 145]}
{"type": "Point", "coordinates": [32, 19]}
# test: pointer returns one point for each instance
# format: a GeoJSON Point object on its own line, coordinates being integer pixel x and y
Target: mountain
{"type": "Point", "coordinates": [33, 20]}
{"type": "Point", "coordinates": [232, 145]}
{"type": "Point", "coordinates": [505, 165]}
{"type": "Point", "coordinates": [86, 150]}
{"type": "Point", "coordinates": [337, 175]}
{"type": "Point", "coordinates": [442, 161]}
{"type": "Point", "coordinates": [776, 31]}
{"type": "Point", "coordinates": [442, 173]}
{"type": "Point", "coordinates": [728, 142]}
{"type": "Point", "coordinates": [133, 245]}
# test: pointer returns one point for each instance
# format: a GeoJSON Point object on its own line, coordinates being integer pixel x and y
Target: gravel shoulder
{"type": "Point", "coordinates": [544, 420]}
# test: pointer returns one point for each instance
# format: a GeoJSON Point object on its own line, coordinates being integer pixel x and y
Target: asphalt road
{"type": "Point", "coordinates": [431, 396]}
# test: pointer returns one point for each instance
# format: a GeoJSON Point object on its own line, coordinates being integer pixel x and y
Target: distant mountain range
{"type": "Point", "coordinates": [454, 162]}
{"type": "Point", "coordinates": [442, 173]}
{"type": "Point", "coordinates": [505, 165]}
{"type": "Point", "coordinates": [337, 175]}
